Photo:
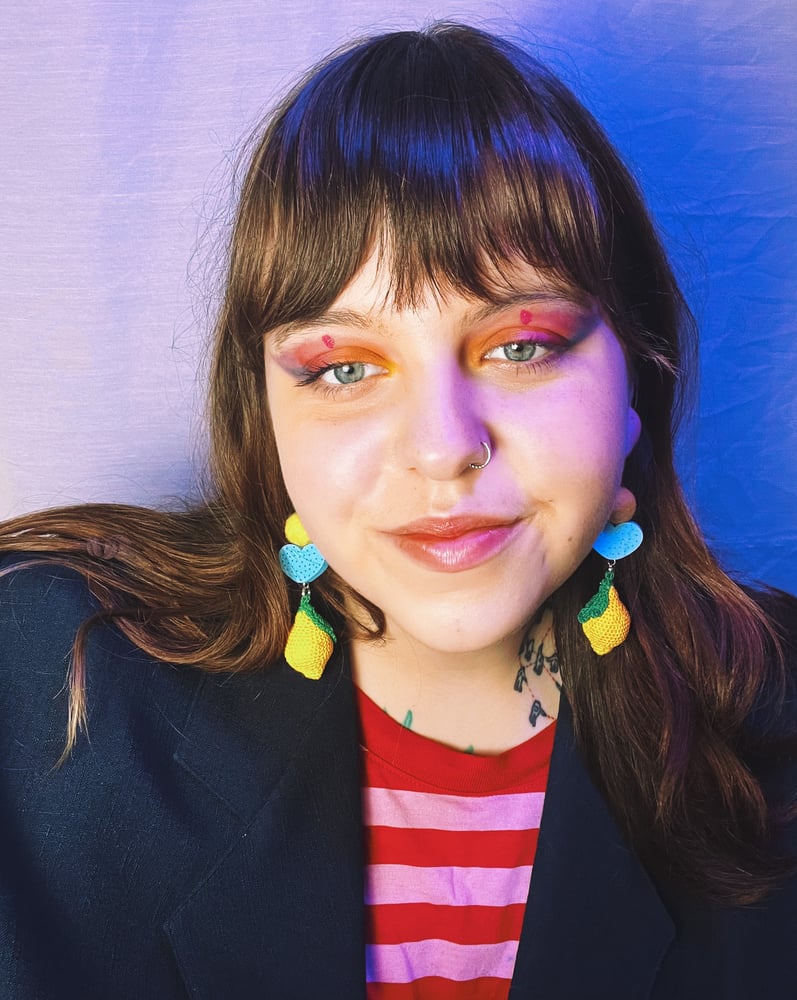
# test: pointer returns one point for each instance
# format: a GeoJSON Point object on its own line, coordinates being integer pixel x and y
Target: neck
{"type": "Point", "coordinates": [487, 700]}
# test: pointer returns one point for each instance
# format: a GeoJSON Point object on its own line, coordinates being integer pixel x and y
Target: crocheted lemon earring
{"type": "Point", "coordinates": [311, 639]}
{"type": "Point", "coordinates": [604, 618]}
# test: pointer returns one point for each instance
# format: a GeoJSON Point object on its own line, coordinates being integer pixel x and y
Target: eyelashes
{"type": "Point", "coordinates": [519, 355]}
{"type": "Point", "coordinates": [521, 350]}
{"type": "Point", "coordinates": [343, 374]}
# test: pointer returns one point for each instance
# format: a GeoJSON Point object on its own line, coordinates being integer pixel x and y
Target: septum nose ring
{"type": "Point", "coordinates": [489, 454]}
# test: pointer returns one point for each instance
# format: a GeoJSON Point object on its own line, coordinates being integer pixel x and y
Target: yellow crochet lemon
{"type": "Point", "coordinates": [310, 641]}
{"type": "Point", "coordinates": [609, 629]}
{"type": "Point", "coordinates": [604, 618]}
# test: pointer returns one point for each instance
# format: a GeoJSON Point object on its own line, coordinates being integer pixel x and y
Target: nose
{"type": "Point", "coordinates": [446, 429]}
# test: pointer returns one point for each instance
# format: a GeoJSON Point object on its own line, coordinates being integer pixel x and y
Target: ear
{"type": "Point", "coordinates": [624, 506]}
{"type": "Point", "coordinates": [633, 428]}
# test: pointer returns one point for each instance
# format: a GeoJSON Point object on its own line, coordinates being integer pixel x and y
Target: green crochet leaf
{"type": "Point", "coordinates": [599, 602]}
{"type": "Point", "coordinates": [315, 617]}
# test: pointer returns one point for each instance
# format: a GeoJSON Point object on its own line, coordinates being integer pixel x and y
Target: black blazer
{"type": "Point", "coordinates": [205, 842]}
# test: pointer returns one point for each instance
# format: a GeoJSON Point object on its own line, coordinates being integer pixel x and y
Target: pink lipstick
{"type": "Point", "coordinates": [451, 545]}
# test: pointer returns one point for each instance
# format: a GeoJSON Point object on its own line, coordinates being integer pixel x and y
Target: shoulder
{"type": "Point", "coordinates": [109, 844]}
{"type": "Point", "coordinates": [141, 710]}
{"type": "Point", "coordinates": [42, 606]}
{"type": "Point", "coordinates": [151, 725]}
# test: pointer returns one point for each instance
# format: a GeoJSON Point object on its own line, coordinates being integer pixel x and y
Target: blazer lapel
{"type": "Point", "coordinates": [594, 926]}
{"type": "Point", "coordinates": [280, 913]}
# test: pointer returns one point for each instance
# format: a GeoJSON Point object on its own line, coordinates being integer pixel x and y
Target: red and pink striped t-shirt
{"type": "Point", "coordinates": [450, 839]}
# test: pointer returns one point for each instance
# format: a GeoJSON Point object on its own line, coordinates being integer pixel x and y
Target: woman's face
{"type": "Point", "coordinates": [378, 415]}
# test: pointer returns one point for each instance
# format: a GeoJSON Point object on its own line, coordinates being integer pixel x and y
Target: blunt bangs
{"type": "Point", "coordinates": [449, 154]}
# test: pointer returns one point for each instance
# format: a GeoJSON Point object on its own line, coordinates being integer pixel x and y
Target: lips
{"type": "Point", "coordinates": [454, 544]}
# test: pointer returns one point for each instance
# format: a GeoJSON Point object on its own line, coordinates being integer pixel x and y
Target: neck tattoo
{"type": "Point", "coordinates": [539, 665]}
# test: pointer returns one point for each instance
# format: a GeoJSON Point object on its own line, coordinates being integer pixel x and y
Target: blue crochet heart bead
{"type": "Point", "coordinates": [617, 541]}
{"type": "Point", "coordinates": [302, 564]}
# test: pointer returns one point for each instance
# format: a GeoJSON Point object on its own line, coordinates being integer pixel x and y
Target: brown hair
{"type": "Point", "coordinates": [460, 153]}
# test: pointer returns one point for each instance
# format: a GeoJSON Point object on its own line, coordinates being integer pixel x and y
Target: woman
{"type": "Point", "coordinates": [447, 359]}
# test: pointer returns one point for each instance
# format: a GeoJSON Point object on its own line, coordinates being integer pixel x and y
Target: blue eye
{"type": "Point", "coordinates": [520, 350]}
{"type": "Point", "coordinates": [517, 350]}
{"type": "Point", "coordinates": [346, 374]}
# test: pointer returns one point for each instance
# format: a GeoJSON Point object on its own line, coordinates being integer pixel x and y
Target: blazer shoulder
{"type": "Point", "coordinates": [36, 594]}
{"type": "Point", "coordinates": [42, 606]}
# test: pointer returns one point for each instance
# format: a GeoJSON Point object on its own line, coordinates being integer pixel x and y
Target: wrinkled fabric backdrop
{"type": "Point", "coordinates": [121, 126]}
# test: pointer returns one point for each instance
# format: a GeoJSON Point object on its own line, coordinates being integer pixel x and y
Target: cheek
{"type": "Point", "coordinates": [330, 469]}
{"type": "Point", "coordinates": [572, 464]}
{"type": "Point", "coordinates": [603, 423]}
{"type": "Point", "coordinates": [578, 432]}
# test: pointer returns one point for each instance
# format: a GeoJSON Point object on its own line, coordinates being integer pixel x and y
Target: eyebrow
{"type": "Point", "coordinates": [554, 294]}
{"type": "Point", "coordinates": [484, 310]}
{"type": "Point", "coordinates": [332, 317]}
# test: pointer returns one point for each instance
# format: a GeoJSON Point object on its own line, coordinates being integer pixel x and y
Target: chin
{"type": "Point", "coordinates": [449, 636]}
